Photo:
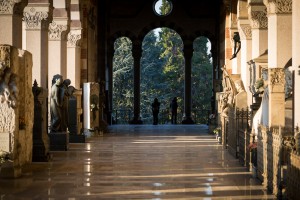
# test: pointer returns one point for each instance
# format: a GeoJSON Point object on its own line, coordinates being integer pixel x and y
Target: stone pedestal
{"type": "Point", "coordinates": [75, 136]}
{"type": "Point", "coordinates": [39, 151]}
{"type": "Point", "coordinates": [59, 141]}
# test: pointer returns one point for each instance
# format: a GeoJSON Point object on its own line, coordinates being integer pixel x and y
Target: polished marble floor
{"type": "Point", "coordinates": [138, 162]}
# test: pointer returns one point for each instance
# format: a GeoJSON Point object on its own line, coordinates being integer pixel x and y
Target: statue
{"type": "Point", "coordinates": [262, 114]}
{"type": "Point", "coordinates": [56, 104]}
{"type": "Point", "coordinates": [237, 44]}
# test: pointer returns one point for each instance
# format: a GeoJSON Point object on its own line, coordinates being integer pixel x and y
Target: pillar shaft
{"type": "Point", "coordinates": [137, 52]}
{"type": "Point", "coordinates": [11, 23]}
{"type": "Point", "coordinates": [37, 40]}
{"type": "Point", "coordinates": [279, 53]}
{"type": "Point", "coordinates": [296, 61]}
{"type": "Point", "coordinates": [188, 53]}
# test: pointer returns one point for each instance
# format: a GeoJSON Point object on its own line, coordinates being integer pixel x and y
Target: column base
{"type": "Point", "coordinates": [39, 152]}
{"type": "Point", "coordinates": [8, 170]}
{"type": "Point", "coordinates": [59, 141]}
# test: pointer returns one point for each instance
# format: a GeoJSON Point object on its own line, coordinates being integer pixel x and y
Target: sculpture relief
{"type": "Point", "coordinates": [8, 82]}
{"type": "Point", "coordinates": [277, 76]}
{"type": "Point", "coordinates": [34, 19]}
{"type": "Point", "coordinates": [55, 31]}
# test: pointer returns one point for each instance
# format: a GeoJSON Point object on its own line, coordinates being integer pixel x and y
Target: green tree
{"type": "Point", "coordinates": [201, 78]}
{"type": "Point", "coordinates": [123, 74]}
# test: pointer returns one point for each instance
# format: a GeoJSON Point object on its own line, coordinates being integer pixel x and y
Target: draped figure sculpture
{"type": "Point", "coordinates": [56, 104]}
{"type": "Point", "coordinates": [261, 117]}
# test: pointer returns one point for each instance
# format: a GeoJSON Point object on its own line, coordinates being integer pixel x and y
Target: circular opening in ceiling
{"type": "Point", "coordinates": [162, 7]}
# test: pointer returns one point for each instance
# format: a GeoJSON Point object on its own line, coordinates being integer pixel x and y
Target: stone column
{"type": "Point", "coordinates": [35, 15]}
{"type": "Point", "coordinates": [296, 61]}
{"type": "Point", "coordinates": [137, 53]}
{"type": "Point", "coordinates": [11, 23]}
{"type": "Point", "coordinates": [188, 54]}
{"type": "Point", "coordinates": [259, 24]}
{"type": "Point", "coordinates": [73, 56]}
{"type": "Point", "coordinates": [246, 44]}
{"type": "Point", "coordinates": [235, 61]}
{"type": "Point", "coordinates": [57, 49]}
{"type": "Point", "coordinates": [279, 53]}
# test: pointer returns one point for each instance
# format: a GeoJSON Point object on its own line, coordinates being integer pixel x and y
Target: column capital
{"type": "Point", "coordinates": [258, 16]}
{"type": "Point", "coordinates": [246, 31]}
{"type": "Point", "coordinates": [73, 38]}
{"type": "Point", "coordinates": [7, 6]}
{"type": "Point", "coordinates": [279, 6]}
{"type": "Point", "coordinates": [56, 29]}
{"type": "Point", "coordinates": [33, 16]}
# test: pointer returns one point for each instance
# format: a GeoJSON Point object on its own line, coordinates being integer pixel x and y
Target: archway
{"type": "Point", "coordinates": [162, 73]}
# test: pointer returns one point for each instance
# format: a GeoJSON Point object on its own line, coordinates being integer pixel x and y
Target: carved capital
{"type": "Point", "coordinates": [73, 38]}
{"type": "Point", "coordinates": [33, 18]}
{"type": "Point", "coordinates": [55, 30]}
{"type": "Point", "coordinates": [246, 31]}
{"type": "Point", "coordinates": [279, 6]}
{"type": "Point", "coordinates": [7, 6]}
{"type": "Point", "coordinates": [259, 19]}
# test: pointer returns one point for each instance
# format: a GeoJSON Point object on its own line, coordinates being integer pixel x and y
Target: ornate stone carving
{"type": "Point", "coordinates": [277, 76]}
{"type": "Point", "coordinates": [247, 31]}
{"type": "Point", "coordinates": [279, 6]}
{"type": "Point", "coordinates": [55, 30]}
{"type": "Point", "coordinates": [8, 89]}
{"type": "Point", "coordinates": [73, 39]}
{"type": "Point", "coordinates": [7, 118]}
{"type": "Point", "coordinates": [259, 19]}
{"type": "Point", "coordinates": [34, 18]}
{"type": "Point", "coordinates": [283, 6]}
{"type": "Point", "coordinates": [7, 6]}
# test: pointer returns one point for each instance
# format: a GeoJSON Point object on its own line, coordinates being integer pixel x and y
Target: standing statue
{"type": "Point", "coordinates": [65, 109]}
{"type": "Point", "coordinates": [56, 104]}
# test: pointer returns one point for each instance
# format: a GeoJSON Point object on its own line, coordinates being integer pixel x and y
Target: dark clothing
{"type": "Point", "coordinates": [155, 111]}
{"type": "Point", "coordinates": [174, 107]}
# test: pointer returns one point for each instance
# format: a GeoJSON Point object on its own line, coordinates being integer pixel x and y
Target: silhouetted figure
{"type": "Point", "coordinates": [155, 111]}
{"type": "Point", "coordinates": [237, 44]}
{"type": "Point", "coordinates": [174, 106]}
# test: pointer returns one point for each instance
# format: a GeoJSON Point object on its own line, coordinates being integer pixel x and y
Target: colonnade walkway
{"type": "Point", "coordinates": [138, 162]}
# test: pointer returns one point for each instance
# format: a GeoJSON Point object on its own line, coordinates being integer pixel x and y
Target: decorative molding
{"type": "Point", "coordinates": [34, 18]}
{"type": "Point", "coordinates": [55, 30]}
{"type": "Point", "coordinates": [247, 31]}
{"type": "Point", "coordinates": [73, 38]}
{"type": "Point", "coordinates": [259, 19]}
{"type": "Point", "coordinates": [277, 76]}
{"type": "Point", "coordinates": [7, 6]}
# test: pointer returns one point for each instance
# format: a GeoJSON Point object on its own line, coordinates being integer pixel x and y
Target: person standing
{"type": "Point", "coordinates": [155, 111]}
{"type": "Point", "coordinates": [174, 106]}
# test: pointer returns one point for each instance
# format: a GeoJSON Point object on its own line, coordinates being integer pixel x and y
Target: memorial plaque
{"type": "Point", "coordinates": [5, 142]}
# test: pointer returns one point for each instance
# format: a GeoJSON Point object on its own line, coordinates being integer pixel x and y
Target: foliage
{"type": "Point", "coordinates": [123, 74]}
{"type": "Point", "coordinates": [217, 130]}
{"type": "Point", "coordinates": [162, 73]}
